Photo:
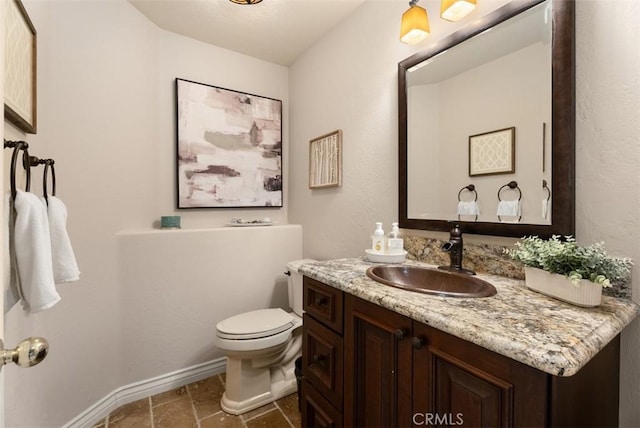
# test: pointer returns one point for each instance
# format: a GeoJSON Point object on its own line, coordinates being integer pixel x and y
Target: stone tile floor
{"type": "Point", "coordinates": [197, 405]}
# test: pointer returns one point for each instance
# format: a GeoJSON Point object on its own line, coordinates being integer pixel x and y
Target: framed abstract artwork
{"type": "Point", "coordinates": [20, 68]}
{"type": "Point", "coordinates": [493, 152]}
{"type": "Point", "coordinates": [229, 148]}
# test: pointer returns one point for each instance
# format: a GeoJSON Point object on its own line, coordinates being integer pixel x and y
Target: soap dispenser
{"type": "Point", "coordinates": [378, 239]}
{"type": "Point", "coordinates": [395, 243]}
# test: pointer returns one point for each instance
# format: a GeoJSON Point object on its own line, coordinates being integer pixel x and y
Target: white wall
{"type": "Point", "coordinates": [608, 155]}
{"type": "Point", "coordinates": [106, 115]}
{"type": "Point", "coordinates": [348, 81]}
{"type": "Point", "coordinates": [440, 127]}
{"type": "Point", "coordinates": [175, 286]}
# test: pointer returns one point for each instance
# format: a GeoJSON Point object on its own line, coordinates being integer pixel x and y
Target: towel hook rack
{"type": "Point", "coordinates": [18, 146]}
{"type": "Point", "coordinates": [48, 163]}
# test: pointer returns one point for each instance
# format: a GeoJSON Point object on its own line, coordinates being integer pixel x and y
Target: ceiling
{"type": "Point", "coordinates": [277, 31]}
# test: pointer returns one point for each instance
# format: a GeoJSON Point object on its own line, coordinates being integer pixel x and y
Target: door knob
{"type": "Point", "coordinates": [28, 353]}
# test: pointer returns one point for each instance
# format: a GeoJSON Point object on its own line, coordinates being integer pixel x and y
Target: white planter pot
{"type": "Point", "coordinates": [585, 293]}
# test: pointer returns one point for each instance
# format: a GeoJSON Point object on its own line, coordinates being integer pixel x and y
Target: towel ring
{"type": "Point", "coordinates": [545, 187]}
{"type": "Point", "coordinates": [470, 188]}
{"type": "Point", "coordinates": [511, 185]}
{"type": "Point", "coordinates": [48, 163]}
{"type": "Point", "coordinates": [18, 146]}
{"type": "Point", "coordinates": [514, 186]}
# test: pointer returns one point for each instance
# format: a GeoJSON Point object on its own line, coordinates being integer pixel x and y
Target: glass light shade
{"type": "Point", "coordinates": [415, 25]}
{"type": "Point", "coordinates": [454, 10]}
{"type": "Point", "coordinates": [245, 1]}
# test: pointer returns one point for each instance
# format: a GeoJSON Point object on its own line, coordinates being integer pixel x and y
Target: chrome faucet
{"type": "Point", "coordinates": [454, 248]}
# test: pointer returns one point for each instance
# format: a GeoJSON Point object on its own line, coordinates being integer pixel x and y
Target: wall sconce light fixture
{"type": "Point", "coordinates": [415, 24]}
{"type": "Point", "coordinates": [245, 1]}
{"type": "Point", "coordinates": [454, 10]}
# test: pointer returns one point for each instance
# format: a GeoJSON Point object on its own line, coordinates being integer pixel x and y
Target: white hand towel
{"type": "Point", "coordinates": [510, 208]}
{"type": "Point", "coordinates": [546, 204]}
{"type": "Point", "coordinates": [32, 245]}
{"type": "Point", "coordinates": [468, 208]}
{"type": "Point", "coordinates": [65, 266]}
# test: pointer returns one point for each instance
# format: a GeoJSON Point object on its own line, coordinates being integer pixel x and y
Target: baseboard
{"type": "Point", "coordinates": [136, 391]}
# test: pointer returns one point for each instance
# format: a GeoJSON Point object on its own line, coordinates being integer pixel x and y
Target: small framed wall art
{"type": "Point", "coordinates": [325, 161]}
{"type": "Point", "coordinates": [229, 148]}
{"type": "Point", "coordinates": [493, 152]}
{"type": "Point", "coordinates": [20, 68]}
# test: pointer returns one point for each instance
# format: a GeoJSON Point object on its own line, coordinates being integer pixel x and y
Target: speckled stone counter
{"type": "Point", "coordinates": [545, 333]}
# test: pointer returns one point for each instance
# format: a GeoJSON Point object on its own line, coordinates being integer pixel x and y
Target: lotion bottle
{"type": "Point", "coordinates": [395, 243]}
{"type": "Point", "coordinates": [378, 240]}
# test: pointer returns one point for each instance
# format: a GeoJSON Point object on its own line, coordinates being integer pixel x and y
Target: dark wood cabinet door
{"type": "Point", "coordinates": [377, 366]}
{"type": "Point", "coordinates": [316, 411]}
{"type": "Point", "coordinates": [457, 383]}
{"type": "Point", "coordinates": [467, 397]}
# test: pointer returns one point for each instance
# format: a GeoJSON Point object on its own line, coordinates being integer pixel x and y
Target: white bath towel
{"type": "Point", "coordinates": [65, 266]}
{"type": "Point", "coordinates": [468, 208]}
{"type": "Point", "coordinates": [32, 244]}
{"type": "Point", "coordinates": [509, 208]}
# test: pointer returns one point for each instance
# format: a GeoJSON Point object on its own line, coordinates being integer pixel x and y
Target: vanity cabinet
{"type": "Point", "coordinates": [377, 368]}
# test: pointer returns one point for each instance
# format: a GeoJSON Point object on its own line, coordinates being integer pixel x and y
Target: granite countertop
{"type": "Point", "coordinates": [542, 332]}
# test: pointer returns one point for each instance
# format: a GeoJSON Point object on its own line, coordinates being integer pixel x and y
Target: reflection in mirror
{"type": "Point", "coordinates": [484, 110]}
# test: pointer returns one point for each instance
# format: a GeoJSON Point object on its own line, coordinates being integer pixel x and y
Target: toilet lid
{"type": "Point", "coordinates": [255, 324]}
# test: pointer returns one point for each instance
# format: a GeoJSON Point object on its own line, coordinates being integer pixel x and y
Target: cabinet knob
{"type": "Point", "coordinates": [400, 334]}
{"type": "Point", "coordinates": [318, 359]}
{"type": "Point", "coordinates": [417, 342]}
{"type": "Point", "coordinates": [321, 301]}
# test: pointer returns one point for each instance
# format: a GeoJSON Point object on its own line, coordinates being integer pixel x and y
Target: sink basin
{"type": "Point", "coordinates": [431, 281]}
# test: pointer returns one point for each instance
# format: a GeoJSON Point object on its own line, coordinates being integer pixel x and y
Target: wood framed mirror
{"type": "Point", "coordinates": [435, 154]}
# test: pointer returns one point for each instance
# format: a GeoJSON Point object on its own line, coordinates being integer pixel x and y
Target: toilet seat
{"type": "Point", "coordinates": [255, 324]}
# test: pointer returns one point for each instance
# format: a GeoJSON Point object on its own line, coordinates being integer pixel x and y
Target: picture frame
{"type": "Point", "coordinates": [20, 69]}
{"type": "Point", "coordinates": [492, 153]}
{"type": "Point", "coordinates": [325, 160]}
{"type": "Point", "coordinates": [229, 148]}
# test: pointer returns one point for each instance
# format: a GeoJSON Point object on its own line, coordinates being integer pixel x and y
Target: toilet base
{"type": "Point", "coordinates": [268, 375]}
{"type": "Point", "coordinates": [278, 390]}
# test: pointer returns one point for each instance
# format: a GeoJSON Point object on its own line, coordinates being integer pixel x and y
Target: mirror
{"type": "Point", "coordinates": [487, 125]}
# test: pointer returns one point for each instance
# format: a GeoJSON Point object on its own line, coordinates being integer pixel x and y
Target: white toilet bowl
{"type": "Point", "coordinates": [261, 348]}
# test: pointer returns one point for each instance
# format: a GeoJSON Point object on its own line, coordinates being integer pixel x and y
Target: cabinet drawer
{"type": "Point", "coordinates": [316, 411]}
{"type": "Point", "coordinates": [322, 360]}
{"type": "Point", "coordinates": [324, 303]}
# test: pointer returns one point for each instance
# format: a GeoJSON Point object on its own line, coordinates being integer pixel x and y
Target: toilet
{"type": "Point", "coordinates": [261, 347]}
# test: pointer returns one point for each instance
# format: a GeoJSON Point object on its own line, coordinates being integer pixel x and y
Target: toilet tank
{"type": "Point", "coordinates": [295, 284]}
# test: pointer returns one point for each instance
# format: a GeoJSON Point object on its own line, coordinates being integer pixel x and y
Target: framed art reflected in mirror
{"type": "Point", "coordinates": [492, 152]}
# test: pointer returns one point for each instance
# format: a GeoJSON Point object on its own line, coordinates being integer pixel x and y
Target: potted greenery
{"type": "Point", "coordinates": [562, 269]}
